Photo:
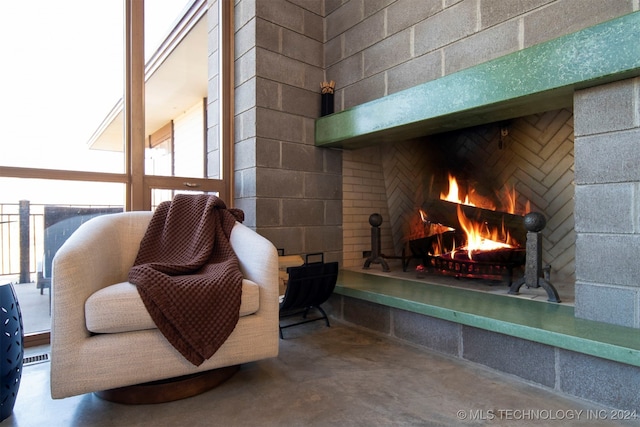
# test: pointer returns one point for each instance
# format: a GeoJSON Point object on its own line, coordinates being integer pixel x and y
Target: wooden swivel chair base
{"type": "Point", "coordinates": [171, 389]}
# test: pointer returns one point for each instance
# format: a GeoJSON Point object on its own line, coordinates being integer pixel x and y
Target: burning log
{"type": "Point", "coordinates": [444, 212]}
{"type": "Point", "coordinates": [514, 256]}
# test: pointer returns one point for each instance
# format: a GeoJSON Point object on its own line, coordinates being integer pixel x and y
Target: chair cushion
{"type": "Point", "coordinates": [119, 308]}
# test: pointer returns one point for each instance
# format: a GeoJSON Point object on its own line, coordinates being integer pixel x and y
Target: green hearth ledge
{"type": "Point", "coordinates": [543, 322]}
{"type": "Point", "coordinates": [540, 78]}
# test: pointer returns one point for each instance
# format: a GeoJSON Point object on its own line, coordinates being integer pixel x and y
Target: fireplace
{"type": "Point", "coordinates": [494, 170]}
{"type": "Point", "coordinates": [590, 200]}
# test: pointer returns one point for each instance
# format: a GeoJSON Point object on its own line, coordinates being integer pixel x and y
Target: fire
{"type": "Point", "coordinates": [454, 193]}
{"type": "Point", "coordinates": [471, 198]}
{"type": "Point", "coordinates": [510, 205]}
{"type": "Point", "coordinates": [510, 196]}
{"type": "Point", "coordinates": [480, 238]}
{"type": "Point", "coordinates": [507, 198]}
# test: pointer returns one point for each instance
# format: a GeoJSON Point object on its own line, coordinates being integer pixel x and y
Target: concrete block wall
{"type": "Point", "coordinates": [290, 190]}
{"type": "Point", "coordinates": [376, 48]}
{"type": "Point", "coordinates": [607, 200]}
{"type": "Point", "coordinates": [604, 382]}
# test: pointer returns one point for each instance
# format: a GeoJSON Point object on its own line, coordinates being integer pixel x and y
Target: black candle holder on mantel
{"type": "Point", "coordinates": [326, 98]}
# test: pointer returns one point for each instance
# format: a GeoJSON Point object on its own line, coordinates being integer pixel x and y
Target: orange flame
{"type": "Point", "coordinates": [508, 198]}
{"type": "Point", "coordinates": [480, 238]}
{"type": "Point", "coordinates": [454, 193]}
{"type": "Point", "coordinates": [510, 202]}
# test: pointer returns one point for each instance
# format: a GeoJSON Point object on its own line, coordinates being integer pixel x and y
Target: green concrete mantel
{"type": "Point", "coordinates": [540, 78]}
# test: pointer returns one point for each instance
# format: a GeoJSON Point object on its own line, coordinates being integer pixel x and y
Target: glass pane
{"type": "Point", "coordinates": [159, 195]}
{"type": "Point", "coordinates": [175, 90]}
{"type": "Point", "coordinates": [62, 77]}
{"type": "Point", "coordinates": [161, 16]}
{"type": "Point", "coordinates": [36, 218]}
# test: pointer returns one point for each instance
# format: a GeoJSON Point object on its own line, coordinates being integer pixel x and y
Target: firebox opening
{"type": "Point", "coordinates": [479, 180]}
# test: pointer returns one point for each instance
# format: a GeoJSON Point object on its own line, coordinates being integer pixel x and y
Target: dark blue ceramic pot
{"type": "Point", "coordinates": [11, 349]}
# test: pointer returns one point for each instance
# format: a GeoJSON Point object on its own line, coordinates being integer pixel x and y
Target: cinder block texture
{"type": "Point", "coordinates": [608, 259]}
{"type": "Point", "coordinates": [411, 73]}
{"type": "Point", "coordinates": [279, 66]}
{"type": "Point", "coordinates": [482, 47]}
{"type": "Point", "coordinates": [609, 157]}
{"type": "Point", "coordinates": [291, 239]}
{"type": "Point", "coordinates": [369, 315]}
{"type": "Point", "coordinates": [245, 66]}
{"type": "Point", "coordinates": [287, 15]}
{"type": "Point", "coordinates": [494, 12]}
{"type": "Point", "coordinates": [605, 208]}
{"type": "Point", "coordinates": [248, 206]}
{"type": "Point", "coordinates": [526, 359]}
{"type": "Point", "coordinates": [302, 48]}
{"type": "Point", "coordinates": [301, 157]}
{"type": "Point", "coordinates": [610, 304]}
{"type": "Point", "coordinates": [366, 33]}
{"type": "Point", "coordinates": [271, 211]}
{"type": "Point", "coordinates": [390, 52]}
{"type": "Point", "coordinates": [245, 153]}
{"type": "Point", "coordinates": [599, 380]}
{"type": "Point", "coordinates": [245, 38]}
{"type": "Point", "coordinates": [266, 153]}
{"type": "Point", "coordinates": [405, 13]}
{"type": "Point", "coordinates": [365, 90]}
{"type": "Point", "coordinates": [607, 108]}
{"type": "Point", "coordinates": [343, 18]}
{"type": "Point", "coordinates": [278, 183]}
{"type": "Point", "coordinates": [245, 97]}
{"type": "Point", "coordinates": [564, 17]}
{"type": "Point", "coordinates": [327, 239]}
{"type": "Point", "coordinates": [323, 186]}
{"type": "Point", "coordinates": [436, 334]}
{"type": "Point", "coordinates": [446, 27]}
{"type": "Point", "coordinates": [302, 212]}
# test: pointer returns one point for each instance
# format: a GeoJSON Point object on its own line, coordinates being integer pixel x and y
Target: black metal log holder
{"type": "Point", "coordinates": [534, 275]}
{"type": "Point", "coordinates": [376, 257]}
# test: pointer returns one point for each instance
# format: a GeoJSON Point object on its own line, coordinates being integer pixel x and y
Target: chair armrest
{"type": "Point", "coordinates": [259, 263]}
{"type": "Point", "coordinates": [98, 254]}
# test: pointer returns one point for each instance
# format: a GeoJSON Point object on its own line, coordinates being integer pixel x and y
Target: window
{"type": "Point", "coordinates": [78, 113]}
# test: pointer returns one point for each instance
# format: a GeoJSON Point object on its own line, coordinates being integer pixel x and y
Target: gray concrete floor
{"type": "Point", "coordinates": [337, 376]}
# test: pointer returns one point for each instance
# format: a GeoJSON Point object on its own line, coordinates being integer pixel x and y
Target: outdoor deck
{"type": "Point", "coordinates": [36, 316]}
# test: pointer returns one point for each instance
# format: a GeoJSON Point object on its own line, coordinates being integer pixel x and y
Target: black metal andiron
{"type": "Point", "coordinates": [376, 245]}
{"type": "Point", "coordinates": [534, 275]}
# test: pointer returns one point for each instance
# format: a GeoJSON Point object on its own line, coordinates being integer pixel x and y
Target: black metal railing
{"type": "Point", "coordinates": [29, 231]}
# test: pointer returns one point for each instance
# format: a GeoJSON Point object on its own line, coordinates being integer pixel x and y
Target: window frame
{"type": "Point", "coordinates": [139, 185]}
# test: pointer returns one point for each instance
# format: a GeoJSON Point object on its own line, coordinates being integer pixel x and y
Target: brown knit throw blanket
{"type": "Point", "coordinates": [188, 275]}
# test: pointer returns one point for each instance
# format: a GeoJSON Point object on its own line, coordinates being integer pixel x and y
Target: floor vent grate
{"type": "Point", "coordinates": [32, 360]}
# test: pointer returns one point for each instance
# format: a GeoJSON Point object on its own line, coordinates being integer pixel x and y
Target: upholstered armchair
{"type": "Point", "coordinates": [103, 338]}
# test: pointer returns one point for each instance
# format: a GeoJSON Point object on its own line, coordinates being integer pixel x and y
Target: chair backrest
{"type": "Point", "coordinates": [59, 223]}
{"type": "Point", "coordinates": [310, 284]}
